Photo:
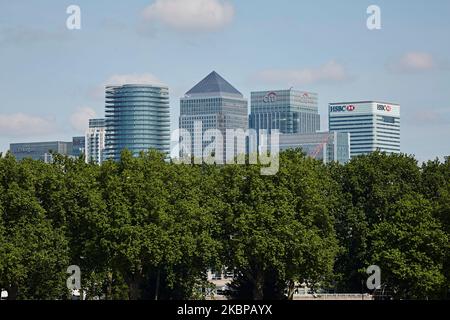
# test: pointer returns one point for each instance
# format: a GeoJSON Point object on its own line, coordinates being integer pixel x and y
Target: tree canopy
{"type": "Point", "coordinates": [148, 228]}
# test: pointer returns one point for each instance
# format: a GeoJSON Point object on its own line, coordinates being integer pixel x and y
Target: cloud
{"type": "Point", "coordinates": [79, 120]}
{"type": "Point", "coordinates": [190, 15]}
{"type": "Point", "coordinates": [23, 125]}
{"type": "Point", "coordinates": [413, 62]}
{"type": "Point", "coordinates": [121, 79]}
{"type": "Point", "coordinates": [331, 72]}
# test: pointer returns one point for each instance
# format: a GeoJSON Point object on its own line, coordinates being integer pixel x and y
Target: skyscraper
{"type": "Point", "coordinates": [372, 125]}
{"type": "Point", "coordinates": [212, 104]}
{"type": "Point", "coordinates": [288, 111]}
{"type": "Point", "coordinates": [95, 141]}
{"type": "Point", "coordinates": [137, 119]}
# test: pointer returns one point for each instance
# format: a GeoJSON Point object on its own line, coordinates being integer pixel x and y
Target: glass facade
{"type": "Point", "coordinates": [78, 146]}
{"type": "Point", "coordinates": [40, 150]}
{"type": "Point", "coordinates": [288, 111]}
{"type": "Point", "coordinates": [325, 146]}
{"type": "Point", "coordinates": [137, 119]}
{"type": "Point", "coordinates": [215, 104]}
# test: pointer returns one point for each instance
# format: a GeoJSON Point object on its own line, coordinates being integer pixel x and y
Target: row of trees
{"type": "Point", "coordinates": [144, 228]}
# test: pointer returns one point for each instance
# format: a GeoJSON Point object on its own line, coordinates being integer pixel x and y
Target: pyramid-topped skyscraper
{"type": "Point", "coordinates": [214, 84]}
{"type": "Point", "coordinates": [213, 103]}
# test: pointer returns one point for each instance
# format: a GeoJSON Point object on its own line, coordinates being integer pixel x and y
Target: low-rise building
{"type": "Point", "coordinates": [325, 146]}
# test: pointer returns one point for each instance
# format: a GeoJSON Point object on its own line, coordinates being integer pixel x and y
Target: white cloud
{"type": "Point", "coordinates": [327, 73]}
{"type": "Point", "coordinates": [121, 79]}
{"type": "Point", "coordinates": [413, 62]}
{"type": "Point", "coordinates": [80, 118]}
{"type": "Point", "coordinates": [24, 125]}
{"type": "Point", "coordinates": [190, 15]}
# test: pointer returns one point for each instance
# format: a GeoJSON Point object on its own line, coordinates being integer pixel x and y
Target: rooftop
{"type": "Point", "coordinates": [213, 84]}
{"type": "Point", "coordinates": [361, 102]}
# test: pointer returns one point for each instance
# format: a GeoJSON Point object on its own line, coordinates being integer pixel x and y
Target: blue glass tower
{"type": "Point", "coordinates": [137, 119]}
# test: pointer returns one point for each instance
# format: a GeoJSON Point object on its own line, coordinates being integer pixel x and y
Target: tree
{"type": "Point", "coordinates": [409, 246]}
{"type": "Point", "coordinates": [436, 188]}
{"type": "Point", "coordinates": [278, 226]}
{"type": "Point", "coordinates": [194, 229]}
{"type": "Point", "coordinates": [352, 229]}
{"type": "Point", "coordinates": [33, 251]}
{"type": "Point", "coordinates": [147, 228]}
{"type": "Point", "coordinates": [161, 230]}
{"type": "Point", "coordinates": [379, 189]}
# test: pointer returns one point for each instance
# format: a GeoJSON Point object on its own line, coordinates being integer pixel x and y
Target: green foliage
{"type": "Point", "coordinates": [33, 250]}
{"type": "Point", "coordinates": [146, 228]}
{"type": "Point", "coordinates": [436, 188]}
{"type": "Point", "coordinates": [410, 247]}
{"type": "Point", "coordinates": [384, 220]}
{"type": "Point", "coordinates": [279, 227]}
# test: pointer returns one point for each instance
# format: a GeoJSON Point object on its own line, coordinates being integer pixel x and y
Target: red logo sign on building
{"type": "Point", "coordinates": [270, 97]}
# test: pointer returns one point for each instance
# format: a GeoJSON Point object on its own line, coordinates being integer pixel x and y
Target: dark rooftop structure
{"type": "Point", "coordinates": [214, 84]}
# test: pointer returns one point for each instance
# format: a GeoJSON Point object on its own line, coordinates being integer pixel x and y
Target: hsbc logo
{"type": "Point", "coordinates": [270, 97]}
{"type": "Point", "coordinates": [384, 107]}
{"type": "Point", "coordinates": [347, 108]}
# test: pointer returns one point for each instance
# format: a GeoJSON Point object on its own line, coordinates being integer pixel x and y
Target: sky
{"type": "Point", "coordinates": [52, 78]}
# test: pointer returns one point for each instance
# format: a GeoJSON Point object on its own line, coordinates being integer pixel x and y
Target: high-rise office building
{"type": "Point", "coordinates": [40, 150]}
{"type": "Point", "coordinates": [95, 141]}
{"type": "Point", "coordinates": [137, 119]}
{"type": "Point", "coordinates": [78, 146]}
{"type": "Point", "coordinates": [288, 111]}
{"type": "Point", "coordinates": [325, 146]}
{"type": "Point", "coordinates": [372, 125]}
{"type": "Point", "coordinates": [213, 104]}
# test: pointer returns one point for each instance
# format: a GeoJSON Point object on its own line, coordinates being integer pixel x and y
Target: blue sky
{"type": "Point", "coordinates": [51, 78]}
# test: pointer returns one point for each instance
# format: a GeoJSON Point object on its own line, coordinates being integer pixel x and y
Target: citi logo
{"type": "Point", "coordinates": [270, 97]}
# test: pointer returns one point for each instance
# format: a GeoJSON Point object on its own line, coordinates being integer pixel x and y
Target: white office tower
{"type": "Point", "coordinates": [372, 125]}
{"type": "Point", "coordinates": [95, 141]}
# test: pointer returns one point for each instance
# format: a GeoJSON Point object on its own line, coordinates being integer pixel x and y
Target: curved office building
{"type": "Point", "coordinates": [137, 119]}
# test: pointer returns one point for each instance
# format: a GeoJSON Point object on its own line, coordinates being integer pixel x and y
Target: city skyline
{"type": "Point", "coordinates": [329, 51]}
